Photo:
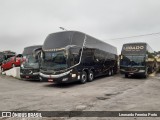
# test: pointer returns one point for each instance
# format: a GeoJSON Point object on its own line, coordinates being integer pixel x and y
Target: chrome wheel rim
{"type": "Point", "coordinates": [91, 76]}
{"type": "Point", "coordinates": [84, 78]}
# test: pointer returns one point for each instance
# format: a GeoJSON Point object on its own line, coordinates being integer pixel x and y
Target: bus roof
{"type": "Point", "coordinates": [136, 48]}
{"type": "Point", "coordinates": [65, 38]}
{"type": "Point", "coordinates": [28, 50]}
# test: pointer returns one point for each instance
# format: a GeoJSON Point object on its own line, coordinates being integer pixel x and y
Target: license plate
{"type": "Point", "coordinates": [131, 73]}
{"type": "Point", "coordinates": [50, 80]}
{"type": "Point", "coordinates": [27, 76]}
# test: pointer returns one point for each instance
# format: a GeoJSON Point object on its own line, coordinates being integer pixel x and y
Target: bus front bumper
{"type": "Point", "coordinates": [33, 76]}
{"type": "Point", "coordinates": [66, 77]}
{"type": "Point", "coordinates": [140, 72]}
{"type": "Point", "coordinates": [29, 73]}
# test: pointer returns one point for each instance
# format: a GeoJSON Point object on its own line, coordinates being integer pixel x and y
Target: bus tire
{"type": "Point", "coordinates": [83, 77]}
{"type": "Point", "coordinates": [110, 72]}
{"type": "Point", "coordinates": [90, 76]}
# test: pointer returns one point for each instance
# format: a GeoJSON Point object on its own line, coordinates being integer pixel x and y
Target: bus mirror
{"type": "Point", "coordinates": [36, 53]}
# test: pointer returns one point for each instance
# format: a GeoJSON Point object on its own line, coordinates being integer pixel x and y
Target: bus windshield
{"type": "Point", "coordinates": [54, 60]}
{"type": "Point", "coordinates": [129, 60]}
{"type": "Point", "coordinates": [31, 62]}
{"type": "Point", "coordinates": [31, 59]}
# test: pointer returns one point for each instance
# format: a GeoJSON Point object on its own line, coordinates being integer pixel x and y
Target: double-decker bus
{"type": "Point", "coordinates": [75, 56]}
{"type": "Point", "coordinates": [30, 67]}
{"type": "Point", "coordinates": [137, 59]}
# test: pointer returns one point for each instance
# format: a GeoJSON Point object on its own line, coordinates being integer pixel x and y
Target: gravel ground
{"type": "Point", "coordinates": [114, 93]}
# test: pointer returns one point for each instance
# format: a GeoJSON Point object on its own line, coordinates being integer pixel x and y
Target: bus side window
{"type": "Point", "coordinates": [74, 57]}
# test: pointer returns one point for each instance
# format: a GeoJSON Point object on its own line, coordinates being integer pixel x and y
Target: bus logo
{"type": "Point", "coordinates": [129, 48]}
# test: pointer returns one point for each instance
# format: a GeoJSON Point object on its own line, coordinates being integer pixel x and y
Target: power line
{"type": "Point", "coordinates": [136, 36]}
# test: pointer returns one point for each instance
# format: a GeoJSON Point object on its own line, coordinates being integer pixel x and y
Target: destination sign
{"type": "Point", "coordinates": [134, 48]}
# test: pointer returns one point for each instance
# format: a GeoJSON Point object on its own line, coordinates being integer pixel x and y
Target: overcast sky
{"type": "Point", "coordinates": [28, 22]}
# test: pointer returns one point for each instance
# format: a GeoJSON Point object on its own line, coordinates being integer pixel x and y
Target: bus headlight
{"type": "Point", "coordinates": [64, 79]}
{"type": "Point", "coordinates": [141, 70]}
{"type": "Point", "coordinates": [73, 75]}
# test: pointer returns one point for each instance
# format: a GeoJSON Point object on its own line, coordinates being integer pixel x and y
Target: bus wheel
{"type": "Point", "coordinates": [110, 72]}
{"type": "Point", "coordinates": [90, 76]}
{"type": "Point", "coordinates": [83, 77]}
{"type": "Point", "coordinates": [126, 75]}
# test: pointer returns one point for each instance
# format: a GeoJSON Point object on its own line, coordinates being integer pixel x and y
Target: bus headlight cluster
{"type": "Point", "coordinates": [141, 70]}
{"type": "Point", "coordinates": [73, 75]}
{"type": "Point", "coordinates": [64, 79]}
